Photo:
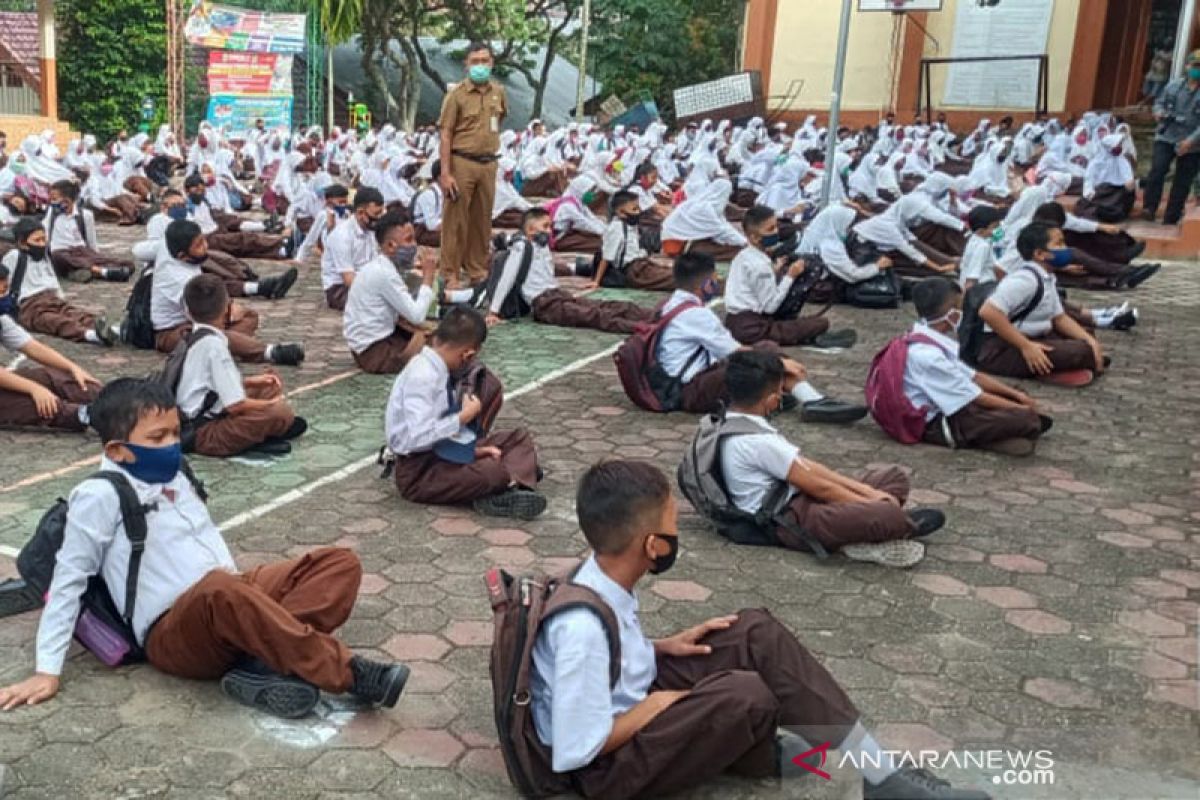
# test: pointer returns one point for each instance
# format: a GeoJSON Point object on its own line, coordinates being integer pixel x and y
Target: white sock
{"type": "Point", "coordinates": [270, 352]}
{"type": "Point", "coordinates": [868, 754]}
{"type": "Point", "coordinates": [805, 393]}
{"type": "Point", "coordinates": [459, 295]}
{"type": "Point", "coordinates": [250, 226]}
{"type": "Point", "coordinates": [283, 251]}
{"type": "Point", "coordinates": [250, 287]}
{"type": "Point", "coordinates": [91, 337]}
{"type": "Point", "coordinates": [85, 417]}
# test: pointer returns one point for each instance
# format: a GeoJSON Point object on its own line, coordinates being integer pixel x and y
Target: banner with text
{"type": "Point", "coordinates": [249, 73]}
{"type": "Point", "coordinates": [228, 28]}
{"type": "Point", "coordinates": [238, 112]}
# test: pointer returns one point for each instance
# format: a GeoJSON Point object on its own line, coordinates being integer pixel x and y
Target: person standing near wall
{"type": "Point", "coordinates": [470, 141]}
{"type": "Point", "coordinates": [1177, 138]}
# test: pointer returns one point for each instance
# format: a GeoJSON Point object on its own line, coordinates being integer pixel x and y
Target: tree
{"type": "Point", "coordinates": [657, 45]}
{"type": "Point", "coordinates": [105, 69]}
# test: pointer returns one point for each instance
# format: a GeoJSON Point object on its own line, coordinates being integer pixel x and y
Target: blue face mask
{"type": "Point", "coordinates": [770, 240]}
{"type": "Point", "coordinates": [177, 212]}
{"type": "Point", "coordinates": [8, 305]}
{"type": "Point", "coordinates": [710, 290]}
{"type": "Point", "coordinates": [61, 208]}
{"type": "Point", "coordinates": [154, 464]}
{"type": "Point", "coordinates": [1060, 257]}
{"type": "Point", "coordinates": [1194, 73]}
{"type": "Point", "coordinates": [341, 211]}
{"type": "Point", "coordinates": [480, 73]}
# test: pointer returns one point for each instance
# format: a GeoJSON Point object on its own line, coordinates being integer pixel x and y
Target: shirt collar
{"type": "Point", "coordinates": [214, 329]}
{"type": "Point", "coordinates": [439, 365]}
{"type": "Point", "coordinates": [760, 421]}
{"type": "Point", "coordinates": [622, 602]}
{"type": "Point", "coordinates": [146, 492]}
{"type": "Point", "coordinates": [922, 327]}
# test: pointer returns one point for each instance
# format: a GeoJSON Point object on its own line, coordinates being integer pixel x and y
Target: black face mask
{"type": "Point", "coordinates": [664, 563]}
{"type": "Point", "coordinates": [36, 252]}
{"type": "Point", "coordinates": [196, 260]}
{"type": "Point", "coordinates": [370, 223]}
{"type": "Point", "coordinates": [196, 198]}
{"type": "Point", "coordinates": [632, 219]}
{"type": "Point", "coordinates": [540, 239]}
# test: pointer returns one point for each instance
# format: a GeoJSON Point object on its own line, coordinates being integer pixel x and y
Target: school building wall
{"type": "Point", "coordinates": [794, 41]}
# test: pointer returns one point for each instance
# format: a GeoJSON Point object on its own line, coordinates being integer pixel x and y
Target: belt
{"type": "Point", "coordinates": [485, 159]}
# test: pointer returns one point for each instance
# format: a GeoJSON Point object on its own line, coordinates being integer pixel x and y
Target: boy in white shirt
{"type": "Point", "coordinates": [350, 246]}
{"type": "Point", "coordinates": [337, 207]}
{"type": "Point", "coordinates": [42, 308]}
{"type": "Point", "coordinates": [623, 260]}
{"type": "Point", "coordinates": [755, 294]}
{"type": "Point", "coordinates": [737, 693]}
{"type": "Point", "coordinates": [194, 614]}
{"type": "Point", "coordinates": [964, 408]}
{"type": "Point", "coordinates": [382, 321]}
{"type": "Point", "coordinates": [71, 239]}
{"type": "Point", "coordinates": [540, 291]}
{"type": "Point", "coordinates": [979, 256]}
{"type": "Point", "coordinates": [427, 208]}
{"type": "Point", "coordinates": [228, 414]}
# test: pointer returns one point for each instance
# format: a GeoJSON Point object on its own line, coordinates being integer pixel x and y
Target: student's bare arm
{"type": "Point", "coordinates": [43, 399]}
{"type": "Point", "coordinates": [600, 270]}
{"type": "Point", "coordinates": [49, 357]}
{"type": "Point", "coordinates": [992, 386]}
{"type": "Point", "coordinates": [820, 483]}
{"type": "Point", "coordinates": [37, 688]}
{"type": "Point", "coordinates": [627, 725]}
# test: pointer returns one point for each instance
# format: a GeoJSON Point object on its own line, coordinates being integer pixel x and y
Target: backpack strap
{"type": "Point", "coordinates": [1034, 301]}
{"type": "Point", "coordinates": [570, 595]}
{"type": "Point", "coordinates": [660, 325]}
{"type": "Point", "coordinates": [18, 276]}
{"type": "Point", "coordinates": [133, 518]}
{"type": "Point", "coordinates": [197, 485]}
{"type": "Point", "coordinates": [80, 222]}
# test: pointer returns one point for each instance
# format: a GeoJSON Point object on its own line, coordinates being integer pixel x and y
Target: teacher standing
{"type": "Point", "coordinates": [469, 144]}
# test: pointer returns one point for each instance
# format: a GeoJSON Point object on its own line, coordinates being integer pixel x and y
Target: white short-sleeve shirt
{"type": "Point", "coordinates": [1018, 288]}
{"type": "Point", "coordinates": [935, 378]}
{"type": "Point", "coordinates": [209, 367]}
{"type": "Point", "coordinates": [753, 464]}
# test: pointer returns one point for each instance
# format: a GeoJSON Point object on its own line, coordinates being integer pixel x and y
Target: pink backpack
{"type": "Point", "coordinates": [888, 404]}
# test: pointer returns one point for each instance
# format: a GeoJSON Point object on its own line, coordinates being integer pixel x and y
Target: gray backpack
{"type": "Point", "coordinates": [700, 480]}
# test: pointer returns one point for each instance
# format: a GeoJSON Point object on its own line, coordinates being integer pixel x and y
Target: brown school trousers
{"type": "Point", "coordinates": [749, 327]}
{"type": "Point", "coordinates": [17, 409]}
{"type": "Point", "coordinates": [560, 307]}
{"type": "Point", "coordinates": [705, 391]}
{"type": "Point", "coordinates": [247, 245]}
{"type": "Point", "coordinates": [977, 427]}
{"type": "Point", "coordinates": [942, 239]}
{"type": "Point", "coordinates": [708, 247]}
{"type": "Point", "coordinates": [231, 434]}
{"type": "Point", "coordinates": [467, 222]}
{"type": "Point", "coordinates": [835, 525]}
{"type": "Point", "coordinates": [335, 296]}
{"type": "Point", "coordinates": [283, 614]}
{"type": "Point", "coordinates": [577, 242]}
{"type": "Point", "coordinates": [551, 183]}
{"type": "Point", "coordinates": [139, 186]}
{"type": "Point", "coordinates": [127, 207]}
{"type": "Point", "coordinates": [426, 237]}
{"type": "Point", "coordinates": [649, 274]}
{"type": "Point", "coordinates": [757, 678]}
{"type": "Point", "coordinates": [240, 334]}
{"type": "Point", "coordinates": [232, 271]}
{"type": "Point", "coordinates": [46, 312]}
{"type": "Point", "coordinates": [998, 357]}
{"type": "Point", "coordinates": [75, 258]}
{"type": "Point", "coordinates": [388, 356]}
{"type": "Point", "coordinates": [508, 218]}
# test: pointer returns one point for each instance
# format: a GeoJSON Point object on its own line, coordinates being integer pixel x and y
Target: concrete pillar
{"type": "Point", "coordinates": [46, 58]}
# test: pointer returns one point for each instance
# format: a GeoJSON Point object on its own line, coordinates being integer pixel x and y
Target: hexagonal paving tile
{"type": "Point", "coordinates": [423, 748]}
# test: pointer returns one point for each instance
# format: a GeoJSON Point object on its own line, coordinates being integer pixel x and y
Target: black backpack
{"type": "Point", "coordinates": [971, 329]}
{"type": "Point", "coordinates": [54, 215]}
{"type": "Point", "coordinates": [101, 627]}
{"type": "Point", "coordinates": [18, 276]}
{"type": "Point", "coordinates": [700, 480]}
{"type": "Point", "coordinates": [802, 288]}
{"type": "Point", "coordinates": [137, 329]}
{"type": "Point", "coordinates": [880, 291]}
{"type": "Point", "coordinates": [513, 305]}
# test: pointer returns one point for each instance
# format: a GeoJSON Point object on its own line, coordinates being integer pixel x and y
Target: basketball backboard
{"type": "Point", "coordinates": [900, 6]}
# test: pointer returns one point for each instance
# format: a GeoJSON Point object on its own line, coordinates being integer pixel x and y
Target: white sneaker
{"type": "Point", "coordinates": [898, 553]}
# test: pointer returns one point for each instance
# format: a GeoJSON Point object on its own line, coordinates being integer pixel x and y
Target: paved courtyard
{"type": "Point", "coordinates": [1057, 611]}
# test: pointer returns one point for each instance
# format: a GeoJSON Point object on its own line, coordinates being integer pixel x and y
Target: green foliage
{"type": "Point", "coordinates": [660, 45]}
{"type": "Point", "coordinates": [111, 54]}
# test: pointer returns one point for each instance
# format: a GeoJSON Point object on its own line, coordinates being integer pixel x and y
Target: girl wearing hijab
{"type": "Point", "coordinates": [825, 237]}
{"type": "Point", "coordinates": [575, 229]}
{"type": "Point", "coordinates": [892, 231]}
{"type": "Point", "coordinates": [948, 239]}
{"type": "Point", "coordinates": [1109, 185]}
{"type": "Point", "coordinates": [698, 225]}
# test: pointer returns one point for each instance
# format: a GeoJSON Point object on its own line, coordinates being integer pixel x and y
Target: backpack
{"type": "Point", "coordinates": [889, 405]}
{"type": "Point", "coordinates": [645, 381]}
{"type": "Point", "coordinates": [18, 276]}
{"type": "Point", "coordinates": [971, 329]}
{"type": "Point", "coordinates": [137, 329]}
{"type": "Point", "coordinates": [701, 481]}
{"type": "Point", "coordinates": [54, 215]}
{"type": "Point", "coordinates": [103, 629]}
{"type": "Point", "coordinates": [814, 273]}
{"type": "Point", "coordinates": [513, 305]}
{"type": "Point", "coordinates": [520, 606]}
{"type": "Point", "coordinates": [172, 371]}
{"type": "Point", "coordinates": [880, 291]}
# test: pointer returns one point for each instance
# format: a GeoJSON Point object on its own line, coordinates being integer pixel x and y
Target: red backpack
{"type": "Point", "coordinates": [888, 404]}
{"type": "Point", "coordinates": [645, 381]}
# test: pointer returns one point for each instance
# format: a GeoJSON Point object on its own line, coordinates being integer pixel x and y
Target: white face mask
{"type": "Point", "coordinates": [953, 317]}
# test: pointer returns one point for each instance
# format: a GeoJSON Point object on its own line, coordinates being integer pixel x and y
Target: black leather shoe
{"type": "Point", "coordinates": [276, 287]}
{"type": "Point", "coordinates": [927, 521]}
{"type": "Point", "coordinates": [270, 447]}
{"type": "Point", "coordinates": [911, 783]}
{"type": "Point", "coordinates": [376, 682]}
{"type": "Point", "coordinates": [516, 503]}
{"type": "Point", "coordinates": [842, 340]}
{"type": "Point", "coordinates": [830, 411]}
{"type": "Point", "coordinates": [1142, 274]}
{"type": "Point", "coordinates": [279, 695]}
{"type": "Point", "coordinates": [288, 355]}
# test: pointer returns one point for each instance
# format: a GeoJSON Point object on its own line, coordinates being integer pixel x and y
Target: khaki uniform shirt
{"type": "Point", "coordinates": [471, 116]}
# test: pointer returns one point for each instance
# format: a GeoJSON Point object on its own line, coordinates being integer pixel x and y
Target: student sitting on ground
{"type": "Point", "coordinates": [1100, 256]}
{"type": "Point", "coordinates": [186, 248]}
{"type": "Point", "coordinates": [427, 208]}
{"type": "Point", "coordinates": [649, 192]}
{"type": "Point", "coordinates": [698, 225]}
{"type": "Point", "coordinates": [755, 293]}
{"type": "Point", "coordinates": [864, 518]}
{"type": "Point", "coordinates": [891, 232]}
{"type": "Point", "coordinates": [231, 234]}
{"type": "Point", "coordinates": [695, 346]}
{"type": "Point", "coordinates": [41, 306]}
{"type": "Point", "coordinates": [737, 692]}
{"type": "Point", "coordinates": [382, 321]}
{"type": "Point", "coordinates": [826, 236]}
{"type": "Point", "coordinates": [1044, 341]}
{"type": "Point", "coordinates": [337, 207]}
{"type": "Point", "coordinates": [964, 408]}
{"type": "Point", "coordinates": [438, 423]}
{"type": "Point", "coordinates": [541, 294]}
{"type": "Point", "coordinates": [576, 229]}
{"type": "Point", "coordinates": [350, 246]}
{"type": "Point", "coordinates": [240, 280]}
{"type": "Point", "coordinates": [71, 239]}
{"type": "Point", "coordinates": [54, 394]}
{"type": "Point", "coordinates": [624, 263]}
{"type": "Point", "coordinates": [265, 633]}
{"type": "Point", "coordinates": [228, 413]}
{"type": "Point", "coordinates": [979, 256]}
{"type": "Point", "coordinates": [508, 207]}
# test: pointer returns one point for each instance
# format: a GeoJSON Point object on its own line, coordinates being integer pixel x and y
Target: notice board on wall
{"type": "Point", "coordinates": [1012, 28]}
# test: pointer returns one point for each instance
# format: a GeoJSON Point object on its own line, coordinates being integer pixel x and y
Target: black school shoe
{"type": "Point", "coordinates": [287, 355]}
{"type": "Point", "coordinates": [297, 429]}
{"type": "Point", "coordinates": [117, 274]}
{"type": "Point", "coordinates": [833, 412]}
{"type": "Point", "coordinates": [274, 446]}
{"type": "Point", "coordinates": [377, 683]}
{"type": "Point", "coordinates": [254, 685]}
{"type": "Point", "coordinates": [17, 597]}
{"type": "Point", "coordinates": [918, 784]}
{"type": "Point", "coordinates": [517, 503]}
{"type": "Point", "coordinates": [104, 331]}
{"type": "Point", "coordinates": [926, 520]}
{"type": "Point", "coordinates": [840, 340]}
{"type": "Point", "coordinates": [276, 287]}
{"type": "Point", "coordinates": [1142, 274]}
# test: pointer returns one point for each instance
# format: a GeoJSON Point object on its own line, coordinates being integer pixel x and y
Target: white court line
{"type": "Point", "coordinates": [295, 494]}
